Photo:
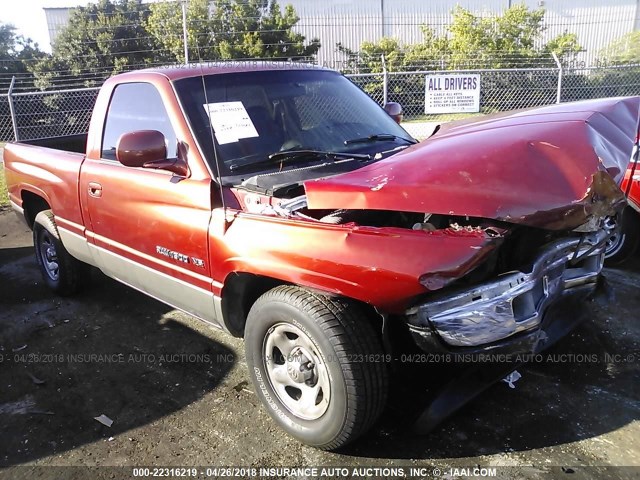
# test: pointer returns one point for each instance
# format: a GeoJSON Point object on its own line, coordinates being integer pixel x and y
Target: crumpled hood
{"type": "Point", "coordinates": [551, 167]}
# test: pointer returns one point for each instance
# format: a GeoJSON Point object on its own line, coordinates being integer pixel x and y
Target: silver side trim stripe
{"type": "Point", "coordinates": [77, 226]}
{"type": "Point", "coordinates": [149, 269]}
{"type": "Point", "coordinates": [175, 292]}
{"type": "Point", "coordinates": [155, 260]}
{"type": "Point", "coordinates": [16, 208]}
{"type": "Point", "coordinates": [211, 320]}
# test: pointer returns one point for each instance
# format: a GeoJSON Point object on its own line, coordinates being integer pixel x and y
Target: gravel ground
{"type": "Point", "coordinates": [178, 395]}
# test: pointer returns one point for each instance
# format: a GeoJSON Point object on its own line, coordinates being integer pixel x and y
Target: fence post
{"type": "Point", "coordinates": [385, 81]}
{"type": "Point", "coordinates": [559, 92]}
{"type": "Point", "coordinates": [12, 111]}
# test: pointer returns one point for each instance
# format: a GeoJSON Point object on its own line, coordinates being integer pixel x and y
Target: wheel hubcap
{"type": "Point", "coordinates": [49, 256]}
{"type": "Point", "coordinates": [616, 239]}
{"type": "Point", "coordinates": [296, 371]}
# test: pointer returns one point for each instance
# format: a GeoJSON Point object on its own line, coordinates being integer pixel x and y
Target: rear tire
{"type": "Point", "coordinates": [625, 239]}
{"type": "Point", "coordinates": [317, 365]}
{"type": "Point", "coordinates": [62, 273]}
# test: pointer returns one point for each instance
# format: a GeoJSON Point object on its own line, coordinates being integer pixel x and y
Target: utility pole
{"type": "Point", "coordinates": [184, 32]}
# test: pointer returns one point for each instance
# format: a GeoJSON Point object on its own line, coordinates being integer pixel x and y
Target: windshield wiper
{"type": "Point", "coordinates": [378, 137]}
{"type": "Point", "coordinates": [289, 155]}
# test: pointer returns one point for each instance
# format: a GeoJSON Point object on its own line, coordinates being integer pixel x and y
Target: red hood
{"type": "Point", "coordinates": [551, 166]}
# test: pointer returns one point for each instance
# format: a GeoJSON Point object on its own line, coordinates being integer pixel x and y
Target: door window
{"type": "Point", "coordinates": [136, 106]}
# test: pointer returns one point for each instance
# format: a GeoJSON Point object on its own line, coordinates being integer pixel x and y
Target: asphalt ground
{"type": "Point", "coordinates": [178, 393]}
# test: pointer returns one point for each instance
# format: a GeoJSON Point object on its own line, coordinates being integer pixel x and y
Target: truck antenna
{"type": "Point", "coordinates": [216, 158]}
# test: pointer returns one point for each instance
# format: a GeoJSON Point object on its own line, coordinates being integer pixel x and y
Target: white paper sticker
{"type": "Point", "coordinates": [449, 93]}
{"type": "Point", "coordinates": [230, 121]}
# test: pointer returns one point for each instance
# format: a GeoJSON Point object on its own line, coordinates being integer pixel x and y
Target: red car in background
{"type": "Point", "coordinates": [624, 241]}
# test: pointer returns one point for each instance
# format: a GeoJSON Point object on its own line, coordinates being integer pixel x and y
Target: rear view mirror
{"type": "Point", "coordinates": [148, 149]}
{"type": "Point", "coordinates": [394, 110]}
{"type": "Point", "coordinates": [134, 149]}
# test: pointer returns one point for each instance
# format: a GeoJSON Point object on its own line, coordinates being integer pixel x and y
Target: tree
{"type": "Point", "coordinates": [623, 51]}
{"type": "Point", "coordinates": [369, 58]}
{"type": "Point", "coordinates": [16, 51]}
{"type": "Point", "coordinates": [230, 29]}
{"type": "Point", "coordinates": [510, 40]}
{"type": "Point", "coordinates": [100, 40]}
{"type": "Point", "coordinates": [622, 78]}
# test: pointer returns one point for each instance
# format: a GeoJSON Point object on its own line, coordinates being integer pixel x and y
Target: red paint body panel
{"type": "Point", "coordinates": [47, 173]}
{"type": "Point", "coordinates": [524, 167]}
{"type": "Point", "coordinates": [366, 263]}
{"type": "Point", "coordinates": [633, 174]}
{"type": "Point", "coordinates": [142, 209]}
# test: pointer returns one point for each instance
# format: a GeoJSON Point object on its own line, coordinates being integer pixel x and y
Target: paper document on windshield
{"type": "Point", "coordinates": [230, 121]}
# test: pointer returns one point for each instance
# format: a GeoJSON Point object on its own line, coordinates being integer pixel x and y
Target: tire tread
{"type": "Point", "coordinates": [351, 334]}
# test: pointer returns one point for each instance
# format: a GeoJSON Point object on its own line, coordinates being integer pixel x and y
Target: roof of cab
{"type": "Point", "coordinates": [177, 72]}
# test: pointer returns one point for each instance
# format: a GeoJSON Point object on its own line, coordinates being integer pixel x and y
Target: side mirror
{"type": "Point", "coordinates": [394, 110]}
{"type": "Point", "coordinates": [148, 149]}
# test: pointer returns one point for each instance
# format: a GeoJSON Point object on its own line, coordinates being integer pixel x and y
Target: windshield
{"type": "Point", "coordinates": [259, 113]}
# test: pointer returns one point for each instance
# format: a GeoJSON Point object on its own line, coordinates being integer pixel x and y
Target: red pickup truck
{"type": "Point", "coordinates": [281, 204]}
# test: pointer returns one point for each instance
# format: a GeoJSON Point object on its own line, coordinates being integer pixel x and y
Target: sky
{"type": "Point", "coordinates": [29, 19]}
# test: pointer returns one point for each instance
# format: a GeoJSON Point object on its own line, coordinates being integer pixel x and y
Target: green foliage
{"type": "Point", "coordinates": [369, 58]}
{"type": "Point", "coordinates": [499, 41]}
{"type": "Point", "coordinates": [231, 29]}
{"type": "Point", "coordinates": [164, 24]}
{"type": "Point", "coordinates": [620, 78]}
{"type": "Point", "coordinates": [565, 46]}
{"type": "Point", "coordinates": [512, 40]}
{"type": "Point", "coordinates": [112, 36]}
{"type": "Point", "coordinates": [4, 196]}
{"type": "Point", "coordinates": [103, 38]}
{"type": "Point", "coordinates": [625, 50]}
{"type": "Point", "coordinates": [16, 51]}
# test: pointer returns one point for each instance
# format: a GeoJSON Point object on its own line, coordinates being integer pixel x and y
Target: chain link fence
{"type": "Point", "coordinates": [6, 127]}
{"type": "Point", "coordinates": [51, 114]}
{"type": "Point", "coordinates": [67, 112]}
{"type": "Point", "coordinates": [500, 90]}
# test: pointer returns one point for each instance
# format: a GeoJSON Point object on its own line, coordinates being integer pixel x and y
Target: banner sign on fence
{"type": "Point", "coordinates": [452, 93]}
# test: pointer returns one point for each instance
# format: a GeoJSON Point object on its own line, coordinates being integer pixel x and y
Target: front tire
{"type": "Point", "coordinates": [317, 365]}
{"type": "Point", "coordinates": [625, 238]}
{"type": "Point", "coordinates": [62, 273]}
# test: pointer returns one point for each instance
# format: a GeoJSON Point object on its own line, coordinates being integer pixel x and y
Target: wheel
{"type": "Point", "coordinates": [624, 239]}
{"type": "Point", "coordinates": [61, 272]}
{"type": "Point", "coordinates": [317, 365]}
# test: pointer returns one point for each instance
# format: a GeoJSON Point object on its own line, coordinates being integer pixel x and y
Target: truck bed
{"type": "Point", "coordinates": [35, 171]}
{"type": "Point", "coordinates": [68, 143]}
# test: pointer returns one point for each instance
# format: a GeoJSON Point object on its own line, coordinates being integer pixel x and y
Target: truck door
{"type": "Point", "coordinates": [148, 228]}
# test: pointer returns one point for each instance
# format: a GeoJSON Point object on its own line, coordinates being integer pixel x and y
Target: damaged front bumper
{"type": "Point", "coordinates": [519, 312]}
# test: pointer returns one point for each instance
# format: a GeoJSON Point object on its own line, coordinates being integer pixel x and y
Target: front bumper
{"type": "Point", "coordinates": [519, 312]}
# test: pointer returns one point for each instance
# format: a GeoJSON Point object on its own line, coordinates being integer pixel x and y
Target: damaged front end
{"type": "Point", "coordinates": [549, 177]}
{"type": "Point", "coordinates": [473, 236]}
{"type": "Point", "coordinates": [487, 238]}
{"type": "Point", "coordinates": [511, 312]}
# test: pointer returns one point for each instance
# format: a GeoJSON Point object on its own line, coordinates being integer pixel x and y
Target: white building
{"type": "Point", "coordinates": [595, 22]}
{"type": "Point", "coordinates": [57, 20]}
